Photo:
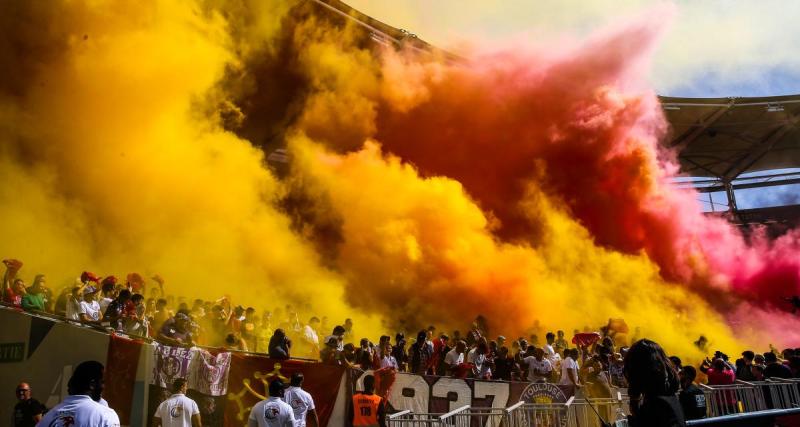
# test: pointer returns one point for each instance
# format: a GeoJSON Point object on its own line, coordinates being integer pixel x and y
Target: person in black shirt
{"type": "Point", "coordinates": [652, 384]}
{"type": "Point", "coordinates": [774, 368]}
{"type": "Point", "coordinates": [693, 400]}
{"type": "Point", "coordinates": [28, 411]}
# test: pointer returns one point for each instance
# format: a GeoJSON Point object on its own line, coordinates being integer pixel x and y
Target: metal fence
{"type": "Point", "coordinates": [732, 399]}
{"type": "Point", "coordinates": [410, 419]}
{"type": "Point", "coordinates": [587, 412]}
{"type": "Point", "coordinates": [722, 400]}
{"type": "Point", "coordinates": [777, 393]}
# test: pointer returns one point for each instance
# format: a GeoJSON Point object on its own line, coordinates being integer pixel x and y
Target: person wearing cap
{"type": "Point", "coordinates": [330, 354]}
{"type": "Point", "coordinates": [178, 410]}
{"type": "Point", "coordinates": [28, 411]}
{"type": "Point", "coordinates": [301, 402]}
{"type": "Point", "coordinates": [81, 407]}
{"type": "Point", "coordinates": [272, 412]}
{"type": "Point", "coordinates": [175, 331]}
{"type": "Point", "coordinates": [89, 308]}
{"type": "Point", "coordinates": [368, 408]}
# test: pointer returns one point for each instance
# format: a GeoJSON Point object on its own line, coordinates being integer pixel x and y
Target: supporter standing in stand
{"type": "Point", "coordinates": [338, 334]}
{"type": "Point", "coordinates": [15, 293]}
{"type": "Point", "coordinates": [279, 345]}
{"type": "Point", "coordinates": [388, 361]}
{"type": "Point", "coordinates": [90, 309]}
{"type": "Point", "coordinates": [539, 368]}
{"type": "Point", "coordinates": [364, 354]}
{"type": "Point", "coordinates": [178, 410]}
{"type": "Point", "coordinates": [301, 402]}
{"type": "Point", "coordinates": [774, 368]}
{"type": "Point", "coordinates": [81, 407]}
{"type": "Point", "coordinates": [28, 411]}
{"type": "Point", "coordinates": [311, 338]}
{"type": "Point", "coordinates": [718, 372]}
{"type": "Point", "coordinates": [272, 412]}
{"type": "Point", "coordinates": [478, 358]}
{"type": "Point", "coordinates": [744, 366]}
{"type": "Point", "coordinates": [108, 292]}
{"type": "Point", "coordinates": [73, 304]}
{"type": "Point", "coordinates": [35, 298]}
{"type": "Point", "coordinates": [399, 352]}
{"type": "Point", "coordinates": [420, 353]}
{"type": "Point", "coordinates": [504, 365]}
{"type": "Point", "coordinates": [455, 358]}
{"type": "Point", "coordinates": [13, 287]}
{"type": "Point", "coordinates": [114, 313]}
{"type": "Point", "coordinates": [440, 349]}
{"type": "Point", "coordinates": [693, 400]}
{"type": "Point", "coordinates": [561, 343]}
{"type": "Point", "coordinates": [569, 368]}
{"type": "Point", "coordinates": [175, 331]}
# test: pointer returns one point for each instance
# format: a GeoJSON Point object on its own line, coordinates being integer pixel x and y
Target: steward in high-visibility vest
{"type": "Point", "coordinates": [368, 408]}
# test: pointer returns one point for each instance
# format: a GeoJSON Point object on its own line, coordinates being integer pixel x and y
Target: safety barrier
{"type": "Point", "coordinates": [474, 417]}
{"type": "Point", "coordinates": [777, 393]}
{"type": "Point", "coordinates": [587, 412]}
{"type": "Point", "coordinates": [525, 414]}
{"type": "Point", "coordinates": [732, 399]}
{"type": "Point", "coordinates": [410, 419]}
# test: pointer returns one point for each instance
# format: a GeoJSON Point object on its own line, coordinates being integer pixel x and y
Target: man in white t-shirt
{"type": "Point", "coordinates": [107, 293]}
{"type": "Point", "coordinates": [311, 338]}
{"type": "Point", "coordinates": [90, 309]}
{"type": "Point", "coordinates": [569, 368]}
{"type": "Point", "coordinates": [272, 412]}
{"type": "Point", "coordinates": [539, 368]}
{"type": "Point", "coordinates": [80, 408]}
{"type": "Point", "coordinates": [178, 410]}
{"type": "Point", "coordinates": [301, 402]}
{"type": "Point", "coordinates": [455, 357]}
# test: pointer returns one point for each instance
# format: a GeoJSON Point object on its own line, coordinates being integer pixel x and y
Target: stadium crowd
{"type": "Point", "coordinates": [595, 362]}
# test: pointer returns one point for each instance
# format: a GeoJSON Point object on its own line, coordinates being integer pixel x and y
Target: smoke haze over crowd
{"type": "Point", "coordinates": [525, 183]}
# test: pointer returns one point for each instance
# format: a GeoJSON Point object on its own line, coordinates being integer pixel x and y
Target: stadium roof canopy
{"type": "Point", "coordinates": [726, 137]}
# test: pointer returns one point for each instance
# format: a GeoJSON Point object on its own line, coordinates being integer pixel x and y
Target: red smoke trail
{"type": "Point", "coordinates": [574, 127]}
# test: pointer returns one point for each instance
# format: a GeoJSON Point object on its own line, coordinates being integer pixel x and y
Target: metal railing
{"type": "Point", "coordinates": [410, 419]}
{"type": "Point", "coordinates": [776, 393]}
{"type": "Point", "coordinates": [525, 414]}
{"type": "Point", "coordinates": [732, 398]}
{"type": "Point", "coordinates": [587, 412]}
{"type": "Point", "coordinates": [467, 416]}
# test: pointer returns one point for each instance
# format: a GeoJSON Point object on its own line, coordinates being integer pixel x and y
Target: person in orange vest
{"type": "Point", "coordinates": [368, 408]}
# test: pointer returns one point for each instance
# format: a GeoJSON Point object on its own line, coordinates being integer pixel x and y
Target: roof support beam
{"type": "Point", "coordinates": [762, 148]}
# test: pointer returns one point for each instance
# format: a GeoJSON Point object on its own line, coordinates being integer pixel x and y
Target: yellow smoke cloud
{"type": "Point", "coordinates": [110, 165]}
{"type": "Point", "coordinates": [114, 160]}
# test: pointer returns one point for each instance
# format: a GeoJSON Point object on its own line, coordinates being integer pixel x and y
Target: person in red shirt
{"type": "Point", "coordinates": [11, 284]}
{"type": "Point", "coordinates": [15, 292]}
{"type": "Point", "coordinates": [719, 373]}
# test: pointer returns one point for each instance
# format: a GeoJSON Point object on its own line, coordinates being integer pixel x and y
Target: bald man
{"type": "Point", "coordinates": [28, 411]}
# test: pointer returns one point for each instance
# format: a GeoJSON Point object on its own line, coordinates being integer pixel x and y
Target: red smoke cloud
{"type": "Point", "coordinates": [577, 125]}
